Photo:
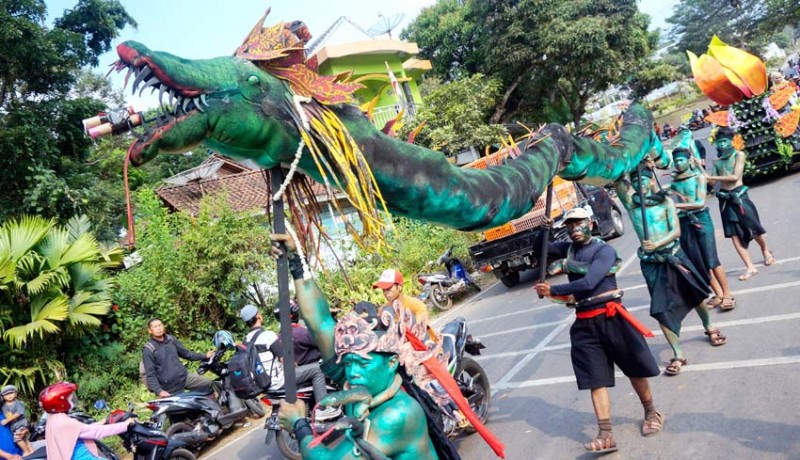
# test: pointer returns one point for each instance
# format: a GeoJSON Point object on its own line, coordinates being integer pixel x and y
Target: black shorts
{"type": "Point", "coordinates": [600, 342]}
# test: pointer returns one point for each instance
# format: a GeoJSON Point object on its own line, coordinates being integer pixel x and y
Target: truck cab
{"type": "Point", "coordinates": [514, 247]}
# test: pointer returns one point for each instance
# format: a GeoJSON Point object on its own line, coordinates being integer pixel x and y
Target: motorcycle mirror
{"type": "Point", "coordinates": [100, 405]}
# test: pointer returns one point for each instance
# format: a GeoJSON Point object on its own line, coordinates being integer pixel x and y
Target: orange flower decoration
{"type": "Point", "coordinates": [787, 124]}
{"type": "Point", "coordinates": [727, 74]}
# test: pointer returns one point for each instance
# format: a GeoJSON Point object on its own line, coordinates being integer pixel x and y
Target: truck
{"type": "Point", "coordinates": [515, 246]}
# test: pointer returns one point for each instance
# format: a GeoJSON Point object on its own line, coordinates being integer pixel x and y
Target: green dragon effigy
{"type": "Point", "coordinates": [267, 103]}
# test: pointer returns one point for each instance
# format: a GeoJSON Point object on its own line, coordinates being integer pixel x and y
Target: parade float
{"type": "Point", "coordinates": [765, 119]}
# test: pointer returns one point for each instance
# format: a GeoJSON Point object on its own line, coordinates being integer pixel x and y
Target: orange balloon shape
{"type": "Point", "coordinates": [712, 81]}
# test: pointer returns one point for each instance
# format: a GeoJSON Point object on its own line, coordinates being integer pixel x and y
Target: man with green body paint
{"type": "Point", "coordinates": [394, 423]}
{"type": "Point", "coordinates": [697, 230]}
{"type": "Point", "coordinates": [740, 220]}
{"type": "Point", "coordinates": [675, 285]}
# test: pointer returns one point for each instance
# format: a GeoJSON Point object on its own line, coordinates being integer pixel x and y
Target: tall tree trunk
{"type": "Point", "coordinates": [500, 108]}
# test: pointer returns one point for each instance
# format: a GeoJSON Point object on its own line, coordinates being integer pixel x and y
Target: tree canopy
{"type": "Point", "coordinates": [546, 54]}
{"type": "Point", "coordinates": [747, 24]}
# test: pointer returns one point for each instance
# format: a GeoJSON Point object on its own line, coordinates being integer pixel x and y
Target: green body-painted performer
{"type": "Point", "coordinates": [367, 366]}
{"type": "Point", "coordinates": [740, 220]}
{"type": "Point", "coordinates": [675, 285]}
{"type": "Point", "coordinates": [697, 230]}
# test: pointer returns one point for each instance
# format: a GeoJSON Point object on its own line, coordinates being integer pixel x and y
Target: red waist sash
{"type": "Point", "coordinates": [611, 309]}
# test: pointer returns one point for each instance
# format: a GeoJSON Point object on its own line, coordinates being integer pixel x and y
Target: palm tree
{"type": "Point", "coordinates": [51, 285]}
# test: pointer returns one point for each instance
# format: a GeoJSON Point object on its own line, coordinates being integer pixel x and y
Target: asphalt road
{"type": "Point", "coordinates": [738, 401]}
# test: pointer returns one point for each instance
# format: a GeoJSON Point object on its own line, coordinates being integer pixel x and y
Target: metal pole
{"type": "Point", "coordinates": [279, 226]}
{"type": "Point", "coordinates": [640, 192]}
{"type": "Point", "coordinates": [548, 204]}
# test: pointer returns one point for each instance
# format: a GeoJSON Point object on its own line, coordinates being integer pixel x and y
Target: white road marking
{"type": "Point", "coordinates": [747, 363]}
{"type": "Point", "coordinates": [524, 361]}
{"type": "Point", "coordinates": [627, 263]}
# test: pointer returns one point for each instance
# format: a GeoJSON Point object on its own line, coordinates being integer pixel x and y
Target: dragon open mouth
{"type": "Point", "coordinates": [178, 103]}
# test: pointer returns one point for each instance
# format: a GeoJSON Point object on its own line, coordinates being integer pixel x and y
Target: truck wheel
{"type": "Point", "coordinates": [510, 279]}
{"type": "Point", "coordinates": [619, 224]}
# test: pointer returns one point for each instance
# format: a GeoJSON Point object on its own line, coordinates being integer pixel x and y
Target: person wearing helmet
{"type": "Point", "coordinates": [305, 349]}
{"type": "Point", "coordinates": [67, 438]}
{"type": "Point", "coordinates": [270, 351]}
{"type": "Point", "coordinates": [165, 374]}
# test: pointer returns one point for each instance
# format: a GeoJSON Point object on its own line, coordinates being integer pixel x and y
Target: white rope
{"type": "Point", "coordinates": [299, 248]}
{"type": "Point", "coordinates": [292, 169]}
{"type": "Point", "coordinates": [296, 100]}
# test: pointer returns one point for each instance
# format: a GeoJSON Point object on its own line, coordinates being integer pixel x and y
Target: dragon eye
{"type": "Point", "coordinates": [253, 80]}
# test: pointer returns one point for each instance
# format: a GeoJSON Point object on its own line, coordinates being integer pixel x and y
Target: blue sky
{"type": "Point", "coordinates": [207, 28]}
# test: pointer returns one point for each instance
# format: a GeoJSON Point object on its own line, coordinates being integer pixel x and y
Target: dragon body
{"type": "Point", "coordinates": [243, 111]}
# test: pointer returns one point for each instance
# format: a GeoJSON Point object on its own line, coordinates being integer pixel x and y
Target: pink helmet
{"type": "Point", "coordinates": [55, 398]}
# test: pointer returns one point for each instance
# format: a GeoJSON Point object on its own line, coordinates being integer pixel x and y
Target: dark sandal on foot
{"type": "Point", "coordinates": [653, 424]}
{"type": "Point", "coordinates": [675, 365]}
{"type": "Point", "coordinates": [716, 338]}
{"type": "Point", "coordinates": [727, 304]}
{"type": "Point", "coordinates": [714, 302]}
{"type": "Point", "coordinates": [601, 445]}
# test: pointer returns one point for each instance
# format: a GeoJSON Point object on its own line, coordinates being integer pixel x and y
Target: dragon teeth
{"type": "Point", "coordinates": [198, 105]}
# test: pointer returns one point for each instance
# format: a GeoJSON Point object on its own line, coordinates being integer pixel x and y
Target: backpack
{"type": "Point", "coordinates": [247, 375]}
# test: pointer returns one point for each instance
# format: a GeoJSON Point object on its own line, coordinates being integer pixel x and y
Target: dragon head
{"type": "Point", "coordinates": [228, 103]}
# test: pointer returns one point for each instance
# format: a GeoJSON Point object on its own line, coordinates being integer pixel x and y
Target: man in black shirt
{"type": "Point", "coordinates": [165, 374]}
{"type": "Point", "coordinates": [600, 337]}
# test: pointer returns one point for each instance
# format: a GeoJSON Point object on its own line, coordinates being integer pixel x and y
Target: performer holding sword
{"type": "Point", "coordinates": [604, 333]}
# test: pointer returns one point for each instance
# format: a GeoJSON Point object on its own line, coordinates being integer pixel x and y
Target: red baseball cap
{"type": "Point", "coordinates": [388, 278]}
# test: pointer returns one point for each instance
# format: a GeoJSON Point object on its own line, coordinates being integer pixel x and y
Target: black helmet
{"type": "Point", "coordinates": [294, 311]}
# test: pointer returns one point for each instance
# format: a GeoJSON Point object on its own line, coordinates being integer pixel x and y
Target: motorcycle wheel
{"type": "Point", "coordinates": [182, 454]}
{"type": "Point", "coordinates": [105, 451]}
{"type": "Point", "coordinates": [480, 396]}
{"type": "Point", "coordinates": [441, 300]}
{"type": "Point", "coordinates": [255, 407]}
{"type": "Point", "coordinates": [288, 445]}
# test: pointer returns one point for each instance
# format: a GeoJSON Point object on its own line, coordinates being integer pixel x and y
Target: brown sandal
{"type": "Point", "coordinates": [600, 445]}
{"type": "Point", "coordinates": [714, 302]}
{"type": "Point", "coordinates": [727, 304]}
{"type": "Point", "coordinates": [675, 365]}
{"type": "Point", "coordinates": [653, 424]}
{"type": "Point", "coordinates": [716, 338]}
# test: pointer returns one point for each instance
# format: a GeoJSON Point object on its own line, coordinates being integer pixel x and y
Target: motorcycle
{"type": "Point", "coordinates": [286, 441]}
{"type": "Point", "coordinates": [440, 288]}
{"type": "Point", "coordinates": [468, 374]}
{"type": "Point", "coordinates": [144, 440]}
{"type": "Point", "coordinates": [198, 412]}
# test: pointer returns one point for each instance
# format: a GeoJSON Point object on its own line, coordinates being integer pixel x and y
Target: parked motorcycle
{"type": "Point", "coordinates": [469, 375]}
{"type": "Point", "coordinates": [286, 441]}
{"type": "Point", "coordinates": [440, 288]}
{"type": "Point", "coordinates": [198, 411]}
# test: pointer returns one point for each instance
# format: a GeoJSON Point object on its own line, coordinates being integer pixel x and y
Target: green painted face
{"type": "Point", "coordinates": [580, 230]}
{"type": "Point", "coordinates": [681, 164]}
{"type": "Point", "coordinates": [723, 144]}
{"type": "Point", "coordinates": [375, 373]}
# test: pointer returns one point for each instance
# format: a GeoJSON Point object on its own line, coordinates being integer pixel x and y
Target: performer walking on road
{"type": "Point", "coordinates": [697, 230]}
{"type": "Point", "coordinates": [600, 337]}
{"type": "Point", "coordinates": [740, 220]}
{"type": "Point", "coordinates": [675, 285]}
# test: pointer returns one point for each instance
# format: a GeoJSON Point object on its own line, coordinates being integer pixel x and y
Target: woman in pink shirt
{"type": "Point", "coordinates": [67, 438]}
